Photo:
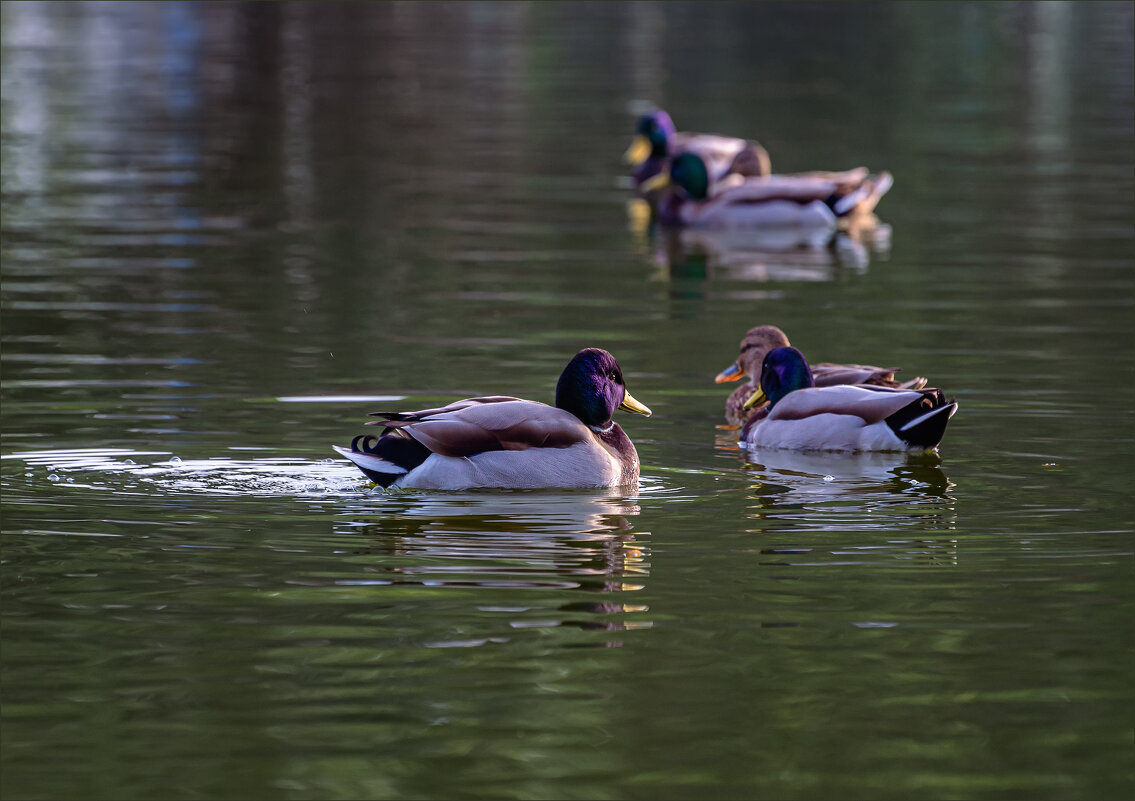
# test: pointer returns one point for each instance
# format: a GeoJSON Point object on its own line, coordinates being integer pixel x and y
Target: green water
{"type": "Point", "coordinates": [230, 231]}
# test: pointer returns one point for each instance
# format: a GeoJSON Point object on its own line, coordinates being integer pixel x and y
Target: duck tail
{"type": "Point", "coordinates": [880, 185]}
{"type": "Point", "coordinates": [919, 428]}
{"type": "Point", "coordinates": [866, 196]}
{"type": "Point", "coordinates": [385, 459]}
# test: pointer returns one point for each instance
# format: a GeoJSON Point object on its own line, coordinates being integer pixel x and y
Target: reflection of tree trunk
{"type": "Point", "coordinates": [645, 35]}
{"type": "Point", "coordinates": [1046, 61]}
{"type": "Point", "coordinates": [1044, 130]}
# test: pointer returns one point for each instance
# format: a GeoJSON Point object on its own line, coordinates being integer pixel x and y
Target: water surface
{"type": "Point", "coordinates": [229, 231]}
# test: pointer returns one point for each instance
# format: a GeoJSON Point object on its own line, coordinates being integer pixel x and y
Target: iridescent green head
{"type": "Point", "coordinates": [688, 170]}
{"type": "Point", "coordinates": [784, 370]}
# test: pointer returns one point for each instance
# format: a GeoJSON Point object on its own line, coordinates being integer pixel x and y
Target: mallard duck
{"type": "Point", "coordinates": [817, 201]}
{"type": "Point", "coordinates": [656, 141]}
{"type": "Point", "coordinates": [802, 416]}
{"type": "Point", "coordinates": [501, 441]}
{"type": "Point", "coordinates": [760, 340]}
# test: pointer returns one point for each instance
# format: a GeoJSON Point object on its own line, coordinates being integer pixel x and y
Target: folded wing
{"type": "Point", "coordinates": [479, 425]}
{"type": "Point", "coordinates": [827, 374]}
{"type": "Point", "coordinates": [871, 404]}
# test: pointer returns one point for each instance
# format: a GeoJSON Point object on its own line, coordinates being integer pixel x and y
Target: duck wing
{"type": "Point", "coordinates": [724, 154]}
{"type": "Point", "coordinates": [827, 374]}
{"type": "Point", "coordinates": [712, 146]}
{"type": "Point", "coordinates": [795, 208]}
{"type": "Point", "coordinates": [872, 404]}
{"type": "Point", "coordinates": [424, 414]}
{"type": "Point", "coordinates": [845, 192]}
{"type": "Point", "coordinates": [854, 176]}
{"type": "Point", "coordinates": [478, 425]}
{"type": "Point", "coordinates": [798, 188]}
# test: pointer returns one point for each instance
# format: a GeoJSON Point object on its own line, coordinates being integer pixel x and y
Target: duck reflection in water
{"type": "Point", "coordinates": [880, 493]}
{"type": "Point", "coordinates": [833, 474]}
{"type": "Point", "coordinates": [805, 226]}
{"type": "Point", "coordinates": [683, 254]}
{"type": "Point", "coordinates": [523, 542]}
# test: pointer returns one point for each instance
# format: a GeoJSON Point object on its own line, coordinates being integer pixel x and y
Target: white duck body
{"type": "Point", "coordinates": [575, 467]}
{"type": "Point", "coordinates": [842, 418]}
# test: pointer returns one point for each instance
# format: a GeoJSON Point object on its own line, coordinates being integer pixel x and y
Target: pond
{"type": "Point", "coordinates": [232, 230]}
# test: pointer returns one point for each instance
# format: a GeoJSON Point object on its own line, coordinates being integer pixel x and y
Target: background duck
{"type": "Point", "coordinates": [818, 201]}
{"type": "Point", "coordinates": [802, 416]}
{"type": "Point", "coordinates": [501, 441]}
{"type": "Point", "coordinates": [656, 141]}
{"type": "Point", "coordinates": [760, 340]}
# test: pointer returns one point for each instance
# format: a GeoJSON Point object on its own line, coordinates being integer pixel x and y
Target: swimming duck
{"type": "Point", "coordinates": [818, 201]}
{"type": "Point", "coordinates": [506, 442]}
{"type": "Point", "coordinates": [760, 340]}
{"type": "Point", "coordinates": [656, 141]}
{"type": "Point", "coordinates": [802, 416]}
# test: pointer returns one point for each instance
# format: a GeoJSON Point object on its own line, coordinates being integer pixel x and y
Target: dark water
{"type": "Point", "coordinates": [231, 230]}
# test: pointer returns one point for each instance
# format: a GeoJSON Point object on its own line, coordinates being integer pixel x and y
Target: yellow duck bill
{"type": "Point", "coordinates": [639, 151]}
{"type": "Point", "coordinates": [629, 404]}
{"type": "Point", "coordinates": [756, 399]}
{"type": "Point", "coordinates": [660, 181]}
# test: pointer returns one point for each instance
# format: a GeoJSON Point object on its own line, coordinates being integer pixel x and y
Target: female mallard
{"type": "Point", "coordinates": [507, 442]}
{"type": "Point", "coordinates": [818, 202]}
{"type": "Point", "coordinates": [761, 339]}
{"type": "Point", "coordinates": [656, 141]}
{"type": "Point", "coordinates": [803, 416]}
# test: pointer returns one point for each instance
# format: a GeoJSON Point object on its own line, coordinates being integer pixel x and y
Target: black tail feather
{"type": "Point", "coordinates": [922, 423]}
{"type": "Point", "coordinates": [403, 451]}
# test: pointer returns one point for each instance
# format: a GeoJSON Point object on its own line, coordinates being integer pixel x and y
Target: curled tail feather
{"type": "Point", "coordinates": [865, 197]}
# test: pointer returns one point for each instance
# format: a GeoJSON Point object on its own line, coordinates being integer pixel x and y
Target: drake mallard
{"type": "Point", "coordinates": [656, 141]}
{"type": "Point", "coordinates": [501, 441]}
{"type": "Point", "coordinates": [816, 201]}
{"type": "Point", "coordinates": [802, 416]}
{"type": "Point", "coordinates": [760, 340]}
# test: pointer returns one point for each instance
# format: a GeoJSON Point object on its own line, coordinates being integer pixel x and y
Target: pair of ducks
{"type": "Point", "coordinates": [506, 442]}
{"type": "Point", "coordinates": [711, 181]}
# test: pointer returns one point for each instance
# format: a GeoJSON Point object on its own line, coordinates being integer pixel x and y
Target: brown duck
{"type": "Point", "coordinates": [763, 338]}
